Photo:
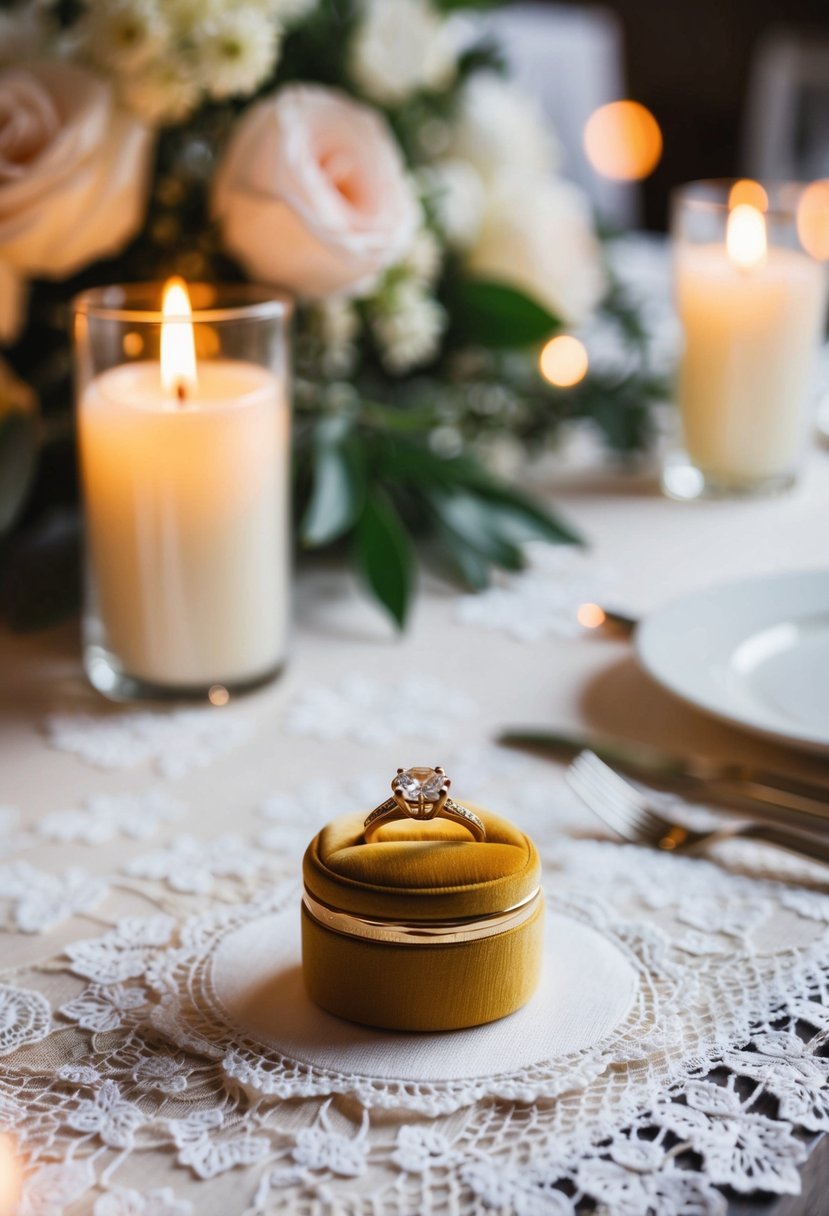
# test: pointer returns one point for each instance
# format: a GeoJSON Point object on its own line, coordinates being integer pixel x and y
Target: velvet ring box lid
{"type": "Point", "coordinates": [424, 928]}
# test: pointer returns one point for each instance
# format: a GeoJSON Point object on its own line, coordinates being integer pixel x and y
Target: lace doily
{"type": "Point", "coordinates": [542, 600]}
{"type": "Point", "coordinates": [175, 742]}
{"type": "Point", "coordinates": [694, 1031]}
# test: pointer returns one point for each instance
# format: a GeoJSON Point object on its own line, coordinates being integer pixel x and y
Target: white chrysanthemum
{"type": "Point", "coordinates": [498, 128]}
{"type": "Point", "coordinates": [339, 325]}
{"type": "Point", "coordinates": [400, 49]}
{"type": "Point", "coordinates": [163, 92]}
{"type": "Point", "coordinates": [538, 236]}
{"type": "Point", "coordinates": [124, 34]}
{"type": "Point", "coordinates": [186, 15]}
{"type": "Point", "coordinates": [457, 195]}
{"type": "Point", "coordinates": [423, 261]}
{"type": "Point", "coordinates": [408, 325]}
{"type": "Point", "coordinates": [237, 50]}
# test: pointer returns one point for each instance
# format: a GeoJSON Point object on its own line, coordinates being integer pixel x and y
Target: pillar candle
{"type": "Point", "coordinates": [752, 325]}
{"type": "Point", "coordinates": [187, 520]}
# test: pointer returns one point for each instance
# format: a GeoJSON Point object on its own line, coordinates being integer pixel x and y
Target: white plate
{"type": "Point", "coordinates": [754, 653]}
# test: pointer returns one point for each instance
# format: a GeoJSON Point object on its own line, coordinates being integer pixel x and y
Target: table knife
{"type": "Point", "coordinates": [726, 782]}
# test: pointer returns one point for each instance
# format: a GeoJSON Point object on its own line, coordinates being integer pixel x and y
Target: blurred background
{"type": "Point", "coordinates": [737, 87]}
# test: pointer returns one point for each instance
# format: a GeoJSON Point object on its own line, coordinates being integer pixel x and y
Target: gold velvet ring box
{"type": "Point", "coordinates": [423, 928]}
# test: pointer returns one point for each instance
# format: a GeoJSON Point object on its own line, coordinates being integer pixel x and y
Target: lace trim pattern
{"type": "Point", "coordinates": [541, 601]}
{"type": "Point", "coordinates": [175, 741]}
{"type": "Point", "coordinates": [719, 1056]}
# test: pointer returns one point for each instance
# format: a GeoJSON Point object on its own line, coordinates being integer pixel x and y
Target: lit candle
{"type": "Point", "coordinates": [186, 485]}
{"type": "Point", "coordinates": [752, 313]}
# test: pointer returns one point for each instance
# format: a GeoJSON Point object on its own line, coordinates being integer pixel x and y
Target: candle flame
{"type": "Point", "coordinates": [178, 348]}
{"type": "Point", "coordinates": [745, 236]}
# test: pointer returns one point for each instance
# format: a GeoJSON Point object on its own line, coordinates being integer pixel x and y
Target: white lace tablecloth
{"type": "Point", "coordinates": [159, 1055]}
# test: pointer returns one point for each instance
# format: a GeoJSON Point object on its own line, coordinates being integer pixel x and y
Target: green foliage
{"type": "Point", "coordinates": [40, 572]}
{"type": "Point", "coordinates": [496, 315]}
{"type": "Point", "coordinates": [338, 483]}
{"type": "Point", "coordinates": [385, 488]}
{"type": "Point", "coordinates": [384, 555]}
{"type": "Point", "coordinates": [18, 448]}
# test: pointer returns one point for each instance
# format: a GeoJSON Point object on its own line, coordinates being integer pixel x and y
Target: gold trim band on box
{"type": "Point", "coordinates": [422, 933]}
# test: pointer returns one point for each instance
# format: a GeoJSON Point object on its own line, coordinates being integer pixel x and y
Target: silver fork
{"type": "Point", "coordinates": [628, 812]}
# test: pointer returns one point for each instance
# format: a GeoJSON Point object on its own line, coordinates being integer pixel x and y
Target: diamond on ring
{"type": "Point", "coordinates": [422, 793]}
{"type": "Point", "coordinates": [421, 788]}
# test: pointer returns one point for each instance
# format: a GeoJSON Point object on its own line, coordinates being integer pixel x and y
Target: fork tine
{"type": "Point", "coordinates": [615, 801]}
{"type": "Point", "coordinates": [615, 798]}
{"type": "Point", "coordinates": [592, 794]}
{"type": "Point", "coordinates": [596, 805]}
{"type": "Point", "coordinates": [611, 780]}
{"type": "Point", "coordinates": [650, 820]}
{"type": "Point", "coordinates": [608, 808]}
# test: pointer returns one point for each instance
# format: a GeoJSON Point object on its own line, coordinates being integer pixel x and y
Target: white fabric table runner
{"type": "Point", "coordinates": [169, 1062]}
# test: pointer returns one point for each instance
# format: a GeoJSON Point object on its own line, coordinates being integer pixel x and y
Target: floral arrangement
{"type": "Point", "coordinates": [368, 156]}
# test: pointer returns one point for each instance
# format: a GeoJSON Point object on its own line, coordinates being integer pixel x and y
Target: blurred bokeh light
{"type": "Point", "coordinates": [623, 141]}
{"type": "Point", "coordinates": [590, 616]}
{"type": "Point", "coordinates": [564, 361]}
{"type": "Point", "coordinates": [748, 193]}
{"type": "Point", "coordinates": [813, 220]}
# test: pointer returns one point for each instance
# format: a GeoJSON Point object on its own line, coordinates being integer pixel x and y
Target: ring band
{"type": "Point", "coordinates": [421, 794]}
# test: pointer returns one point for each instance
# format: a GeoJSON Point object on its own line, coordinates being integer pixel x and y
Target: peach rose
{"type": "Point", "coordinates": [312, 193]}
{"type": "Point", "coordinates": [73, 176]}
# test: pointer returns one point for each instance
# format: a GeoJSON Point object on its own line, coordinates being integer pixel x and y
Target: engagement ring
{"type": "Point", "coordinates": [422, 793]}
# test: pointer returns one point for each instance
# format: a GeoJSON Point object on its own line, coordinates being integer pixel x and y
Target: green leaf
{"type": "Point", "coordinates": [522, 518]}
{"type": "Point", "coordinates": [415, 464]}
{"type": "Point", "coordinates": [18, 446]}
{"type": "Point", "coordinates": [470, 521]}
{"type": "Point", "coordinates": [338, 483]}
{"type": "Point", "coordinates": [493, 314]}
{"type": "Point", "coordinates": [468, 566]}
{"type": "Point", "coordinates": [41, 575]}
{"type": "Point", "coordinates": [384, 555]}
{"type": "Point", "coordinates": [514, 516]}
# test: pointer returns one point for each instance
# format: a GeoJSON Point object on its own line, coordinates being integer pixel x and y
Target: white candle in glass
{"type": "Point", "coordinates": [751, 315]}
{"type": "Point", "coordinates": [186, 485]}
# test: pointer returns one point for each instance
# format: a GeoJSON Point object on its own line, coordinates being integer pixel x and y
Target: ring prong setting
{"type": "Point", "coordinates": [422, 794]}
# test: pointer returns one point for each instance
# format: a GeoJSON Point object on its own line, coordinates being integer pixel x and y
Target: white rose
{"type": "Point", "coordinates": [312, 193]}
{"type": "Point", "coordinates": [73, 172]}
{"type": "Point", "coordinates": [538, 236]}
{"type": "Point", "coordinates": [400, 49]}
{"type": "Point", "coordinates": [498, 128]}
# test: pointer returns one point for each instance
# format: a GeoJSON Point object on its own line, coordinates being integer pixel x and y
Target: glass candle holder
{"type": "Point", "coordinates": [752, 300]}
{"type": "Point", "coordinates": [183, 421]}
